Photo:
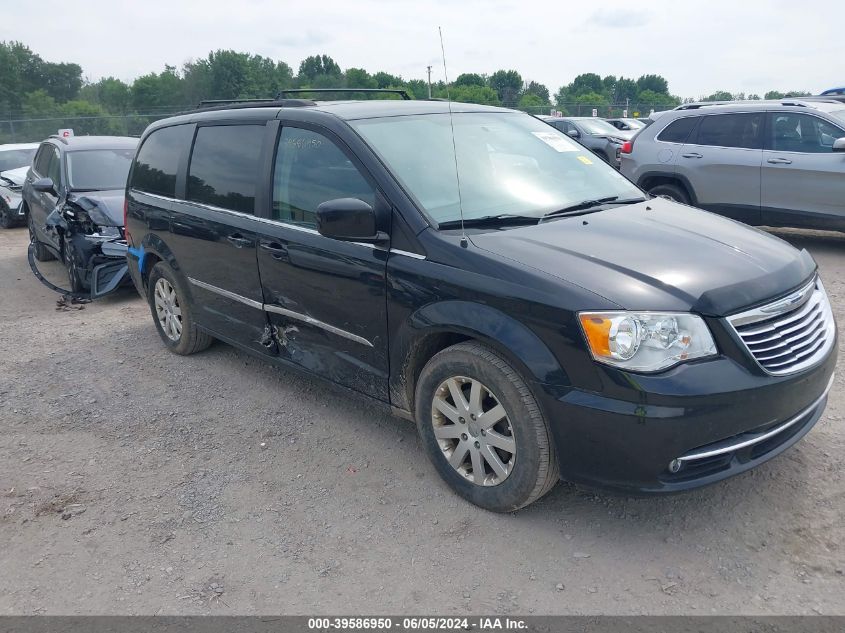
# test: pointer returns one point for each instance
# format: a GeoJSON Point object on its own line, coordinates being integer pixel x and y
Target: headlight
{"type": "Point", "coordinates": [646, 341]}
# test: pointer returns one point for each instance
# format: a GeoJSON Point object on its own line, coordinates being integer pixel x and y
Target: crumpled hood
{"type": "Point", "coordinates": [104, 207]}
{"type": "Point", "coordinates": [658, 255]}
{"type": "Point", "coordinates": [17, 176]}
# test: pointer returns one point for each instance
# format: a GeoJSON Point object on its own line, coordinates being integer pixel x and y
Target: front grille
{"type": "Point", "coordinates": [789, 334]}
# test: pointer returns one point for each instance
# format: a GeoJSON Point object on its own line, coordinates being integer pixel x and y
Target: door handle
{"type": "Point", "coordinates": [692, 155]}
{"type": "Point", "coordinates": [276, 250]}
{"type": "Point", "coordinates": [779, 161]}
{"type": "Point", "coordinates": [239, 241]}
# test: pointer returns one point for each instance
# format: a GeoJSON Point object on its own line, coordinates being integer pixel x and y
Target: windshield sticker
{"type": "Point", "coordinates": [557, 142]}
{"type": "Point", "coordinates": [585, 160]}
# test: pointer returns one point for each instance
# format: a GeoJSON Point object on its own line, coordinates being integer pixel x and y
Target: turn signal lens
{"type": "Point", "coordinates": [646, 341]}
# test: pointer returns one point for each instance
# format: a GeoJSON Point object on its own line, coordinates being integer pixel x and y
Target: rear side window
{"type": "Point", "coordinates": [224, 166]}
{"type": "Point", "coordinates": [678, 131]}
{"type": "Point", "coordinates": [732, 130]}
{"type": "Point", "coordinates": [158, 160]}
{"type": "Point", "coordinates": [311, 169]}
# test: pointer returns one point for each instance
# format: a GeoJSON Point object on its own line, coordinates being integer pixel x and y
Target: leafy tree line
{"type": "Point", "coordinates": [43, 96]}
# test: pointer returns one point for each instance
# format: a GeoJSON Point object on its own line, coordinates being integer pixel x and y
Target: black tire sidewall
{"type": "Point", "coordinates": [6, 220]}
{"type": "Point", "coordinates": [513, 492]}
{"type": "Point", "coordinates": [72, 267]}
{"type": "Point", "coordinates": [674, 191]}
{"type": "Point", "coordinates": [41, 252]}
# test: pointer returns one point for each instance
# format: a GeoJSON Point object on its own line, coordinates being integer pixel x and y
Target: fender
{"type": "Point", "coordinates": [153, 245]}
{"type": "Point", "coordinates": [511, 338]}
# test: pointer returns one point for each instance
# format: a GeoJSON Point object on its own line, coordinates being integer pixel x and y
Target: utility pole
{"type": "Point", "coordinates": [429, 81]}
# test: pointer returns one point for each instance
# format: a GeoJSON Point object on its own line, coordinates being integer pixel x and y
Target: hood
{"type": "Point", "coordinates": [658, 255]}
{"type": "Point", "coordinates": [17, 176]}
{"type": "Point", "coordinates": [105, 208]}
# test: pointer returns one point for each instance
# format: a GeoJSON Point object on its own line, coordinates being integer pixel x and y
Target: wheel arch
{"type": "Point", "coordinates": [654, 178]}
{"type": "Point", "coordinates": [437, 326]}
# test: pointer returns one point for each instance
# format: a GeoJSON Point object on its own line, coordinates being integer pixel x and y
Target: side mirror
{"type": "Point", "coordinates": [44, 185]}
{"type": "Point", "coordinates": [839, 145]}
{"type": "Point", "coordinates": [574, 133]}
{"type": "Point", "coordinates": [349, 220]}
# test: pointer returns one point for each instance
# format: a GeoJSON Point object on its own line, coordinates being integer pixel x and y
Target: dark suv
{"type": "Point", "coordinates": [533, 311]}
{"type": "Point", "coordinates": [73, 199]}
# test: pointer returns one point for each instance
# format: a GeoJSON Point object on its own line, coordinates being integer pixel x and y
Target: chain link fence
{"type": "Point", "coordinates": [16, 129]}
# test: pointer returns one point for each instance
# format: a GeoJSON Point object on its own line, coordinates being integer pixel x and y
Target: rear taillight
{"type": "Point", "coordinates": [627, 147]}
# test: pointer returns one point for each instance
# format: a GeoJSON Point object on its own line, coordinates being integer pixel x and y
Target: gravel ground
{"type": "Point", "coordinates": [134, 481]}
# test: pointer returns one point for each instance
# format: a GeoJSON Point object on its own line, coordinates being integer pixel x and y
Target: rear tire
{"type": "Point", "coordinates": [42, 254]}
{"type": "Point", "coordinates": [670, 192]}
{"type": "Point", "coordinates": [501, 462]}
{"type": "Point", "coordinates": [173, 313]}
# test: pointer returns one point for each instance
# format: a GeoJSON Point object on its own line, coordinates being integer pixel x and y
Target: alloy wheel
{"type": "Point", "coordinates": [168, 311]}
{"type": "Point", "coordinates": [473, 431]}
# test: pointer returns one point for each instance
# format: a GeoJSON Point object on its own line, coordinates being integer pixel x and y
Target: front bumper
{"type": "Point", "coordinates": [695, 425]}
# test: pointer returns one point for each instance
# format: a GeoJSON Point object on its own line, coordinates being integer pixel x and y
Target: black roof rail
{"type": "Point", "coordinates": [210, 105]}
{"type": "Point", "coordinates": [398, 91]}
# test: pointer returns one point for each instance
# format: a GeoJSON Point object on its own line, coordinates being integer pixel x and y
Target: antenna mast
{"type": "Point", "coordinates": [464, 240]}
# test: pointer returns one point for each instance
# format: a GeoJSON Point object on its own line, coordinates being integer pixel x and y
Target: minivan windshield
{"type": "Point", "coordinates": [99, 169]}
{"type": "Point", "coordinates": [508, 164]}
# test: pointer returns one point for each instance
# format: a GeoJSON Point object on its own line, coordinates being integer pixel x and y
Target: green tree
{"type": "Point", "coordinates": [507, 84]}
{"type": "Point", "coordinates": [774, 94]}
{"type": "Point", "coordinates": [585, 83]}
{"type": "Point", "coordinates": [470, 79]}
{"type": "Point", "coordinates": [649, 98]}
{"type": "Point", "coordinates": [538, 90]}
{"type": "Point", "coordinates": [359, 78]}
{"type": "Point", "coordinates": [530, 101]}
{"type": "Point", "coordinates": [483, 95]}
{"type": "Point", "coordinates": [311, 67]}
{"type": "Point", "coordinates": [719, 95]}
{"type": "Point", "coordinates": [655, 83]}
{"type": "Point", "coordinates": [386, 80]}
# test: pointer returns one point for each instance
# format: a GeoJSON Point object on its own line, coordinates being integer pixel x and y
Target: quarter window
{"type": "Point", "coordinates": [311, 169]}
{"type": "Point", "coordinates": [678, 131]}
{"type": "Point", "coordinates": [731, 130]}
{"type": "Point", "coordinates": [792, 132]}
{"type": "Point", "coordinates": [225, 166]}
{"type": "Point", "coordinates": [158, 160]}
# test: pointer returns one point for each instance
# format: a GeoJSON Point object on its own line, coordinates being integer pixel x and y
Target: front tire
{"type": "Point", "coordinates": [72, 265]}
{"type": "Point", "coordinates": [173, 313]}
{"type": "Point", "coordinates": [670, 192]}
{"type": "Point", "coordinates": [483, 430]}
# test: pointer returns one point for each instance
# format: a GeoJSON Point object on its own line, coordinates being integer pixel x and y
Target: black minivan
{"type": "Point", "coordinates": [479, 272]}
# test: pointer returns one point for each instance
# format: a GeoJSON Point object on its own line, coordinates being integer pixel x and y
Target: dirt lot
{"type": "Point", "coordinates": [135, 481]}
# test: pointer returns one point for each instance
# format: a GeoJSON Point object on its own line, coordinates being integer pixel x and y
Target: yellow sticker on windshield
{"type": "Point", "coordinates": [585, 160]}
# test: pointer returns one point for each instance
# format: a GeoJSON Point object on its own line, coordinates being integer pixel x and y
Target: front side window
{"type": "Point", "coordinates": [731, 130]}
{"type": "Point", "coordinates": [54, 168]}
{"type": "Point", "coordinates": [15, 158]}
{"type": "Point", "coordinates": [311, 169]}
{"type": "Point", "coordinates": [98, 169]}
{"type": "Point", "coordinates": [42, 159]}
{"type": "Point", "coordinates": [224, 167]}
{"type": "Point", "coordinates": [158, 160]}
{"type": "Point", "coordinates": [794, 132]}
{"type": "Point", "coordinates": [509, 163]}
{"type": "Point", "coordinates": [678, 131]}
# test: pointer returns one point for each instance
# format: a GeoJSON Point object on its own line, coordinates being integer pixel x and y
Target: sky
{"type": "Point", "coordinates": [700, 46]}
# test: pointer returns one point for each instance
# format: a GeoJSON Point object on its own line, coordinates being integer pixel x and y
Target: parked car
{"type": "Point", "coordinates": [537, 316]}
{"type": "Point", "coordinates": [595, 134]}
{"type": "Point", "coordinates": [12, 158]}
{"type": "Point", "coordinates": [628, 125]}
{"type": "Point", "coordinates": [11, 210]}
{"type": "Point", "coordinates": [839, 92]}
{"type": "Point", "coordinates": [16, 155]}
{"type": "Point", "coordinates": [774, 163]}
{"type": "Point", "coordinates": [73, 197]}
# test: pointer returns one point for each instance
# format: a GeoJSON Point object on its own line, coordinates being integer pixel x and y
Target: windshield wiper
{"type": "Point", "coordinates": [504, 219]}
{"type": "Point", "coordinates": [589, 206]}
